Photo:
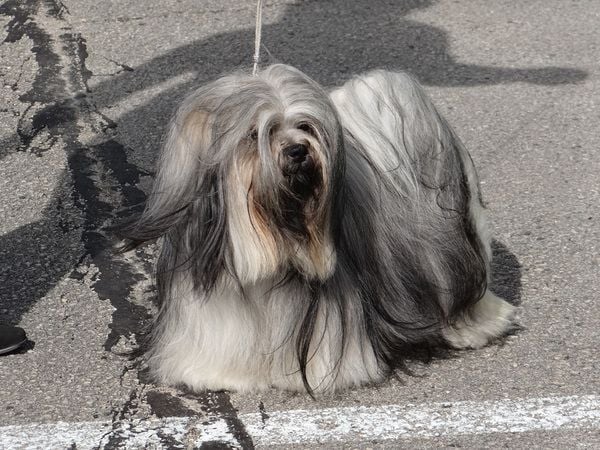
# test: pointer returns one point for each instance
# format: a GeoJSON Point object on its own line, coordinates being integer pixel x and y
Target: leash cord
{"type": "Point", "coordinates": [257, 36]}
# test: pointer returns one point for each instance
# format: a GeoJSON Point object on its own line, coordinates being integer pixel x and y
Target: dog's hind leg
{"type": "Point", "coordinates": [490, 318]}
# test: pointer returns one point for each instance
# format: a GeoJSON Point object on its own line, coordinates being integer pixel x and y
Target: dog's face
{"type": "Point", "coordinates": [280, 191]}
{"type": "Point", "coordinates": [255, 160]}
{"type": "Point", "coordinates": [281, 180]}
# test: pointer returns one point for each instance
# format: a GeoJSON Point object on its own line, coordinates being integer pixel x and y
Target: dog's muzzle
{"type": "Point", "coordinates": [302, 181]}
{"type": "Point", "coordinates": [299, 170]}
{"type": "Point", "coordinates": [297, 160]}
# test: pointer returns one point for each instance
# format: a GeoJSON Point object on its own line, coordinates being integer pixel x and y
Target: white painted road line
{"type": "Point", "coordinates": [414, 421]}
{"type": "Point", "coordinates": [347, 424]}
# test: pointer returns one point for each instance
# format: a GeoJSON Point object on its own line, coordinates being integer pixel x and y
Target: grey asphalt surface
{"type": "Point", "coordinates": [87, 88]}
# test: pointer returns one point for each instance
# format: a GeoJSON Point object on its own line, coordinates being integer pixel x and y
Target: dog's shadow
{"type": "Point", "coordinates": [506, 274]}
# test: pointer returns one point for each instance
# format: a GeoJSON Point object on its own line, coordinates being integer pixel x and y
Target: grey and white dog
{"type": "Point", "coordinates": [308, 239]}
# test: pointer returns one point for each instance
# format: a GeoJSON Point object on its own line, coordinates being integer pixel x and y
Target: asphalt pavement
{"type": "Point", "coordinates": [86, 90]}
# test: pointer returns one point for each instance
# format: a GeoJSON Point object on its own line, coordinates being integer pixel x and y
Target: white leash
{"type": "Point", "coordinates": [257, 36]}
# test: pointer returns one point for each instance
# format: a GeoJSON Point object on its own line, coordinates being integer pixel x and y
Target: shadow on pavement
{"type": "Point", "coordinates": [506, 274]}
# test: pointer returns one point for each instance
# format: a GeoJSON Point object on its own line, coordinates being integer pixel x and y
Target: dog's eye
{"type": "Point", "coordinates": [253, 135]}
{"type": "Point", "coordinates": [307, 129]}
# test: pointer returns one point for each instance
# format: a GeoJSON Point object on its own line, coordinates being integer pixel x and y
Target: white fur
{"type": "Point", "coordinates": [491, 317]}
{"type": "Point", "coordinates": [245, 344]}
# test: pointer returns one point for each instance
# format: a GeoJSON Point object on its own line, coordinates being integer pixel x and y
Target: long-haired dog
{"type": "Point", "coordinates": [308, 239]}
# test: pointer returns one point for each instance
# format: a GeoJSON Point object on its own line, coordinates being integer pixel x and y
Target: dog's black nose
{"type": "Point", "coordinates": [296, 153]}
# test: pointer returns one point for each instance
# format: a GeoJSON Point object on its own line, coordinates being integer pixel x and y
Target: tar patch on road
{"type": "Point", "coordinates": [164, 404]}
{"type": "Point", "coordinates": [219, 404]}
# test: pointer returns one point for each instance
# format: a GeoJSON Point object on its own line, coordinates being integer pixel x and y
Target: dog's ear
{"type": "Point", "coordinates": [178, 180]}
{"type": "Point", "coordinates": [187, 204]}
{"type": "Point", "coordinates": [201, 237]}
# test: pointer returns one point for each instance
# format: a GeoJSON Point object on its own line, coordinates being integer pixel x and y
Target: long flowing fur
{"type": "Point", "coordinates": [308, 239]}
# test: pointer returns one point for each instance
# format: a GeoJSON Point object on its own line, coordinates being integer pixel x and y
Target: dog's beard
{"type": "Point", "coordinates": [299, 193]}
{"type": "Point", "coordinates": [298, 200]}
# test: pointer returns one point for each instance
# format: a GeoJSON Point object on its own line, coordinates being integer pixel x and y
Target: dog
{"type": "Point", "coordinates": [307, 239]}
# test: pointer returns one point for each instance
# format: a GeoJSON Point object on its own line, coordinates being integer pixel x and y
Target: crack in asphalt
{"type": "Point", "coordinates": [124, 67]}
{"type": "Point", "coordinates": [15, 85]}
{"type": "Point", "coordinates": [263, 413]}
